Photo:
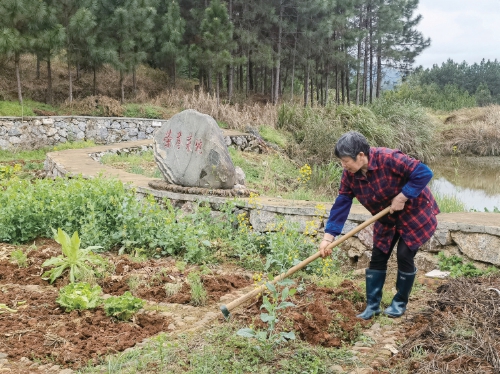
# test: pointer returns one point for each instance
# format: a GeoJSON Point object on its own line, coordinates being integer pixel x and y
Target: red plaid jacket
{"type": "Point", "coordinates": [388, 172]}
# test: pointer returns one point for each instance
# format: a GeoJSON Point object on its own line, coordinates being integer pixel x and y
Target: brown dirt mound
{"type": "Point", "coordinates": [322, 316]}
{"type": "Point", "coordinates": [219, 285]}
{"type": "Point", "coordinates": [40, 329]}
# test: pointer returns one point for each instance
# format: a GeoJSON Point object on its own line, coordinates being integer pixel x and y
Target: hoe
{"type": "Point", "coordinates": [225, 309]}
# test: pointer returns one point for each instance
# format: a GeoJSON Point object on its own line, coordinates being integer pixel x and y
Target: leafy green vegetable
{"type": "Point", "coordinates": [79, 296]}
{"type": "Point", "coordinates": [123, 307]}
{"type": "Point", "coordinates": [457, 268]}
{"type": "Point", "coordinates": [78, 260]}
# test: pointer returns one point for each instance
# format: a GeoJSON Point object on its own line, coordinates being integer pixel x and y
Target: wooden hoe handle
{"type": "Point", "coordinates": [233, 304]}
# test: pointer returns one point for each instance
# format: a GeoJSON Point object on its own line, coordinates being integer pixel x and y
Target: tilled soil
{"type": "Point", "coordinates": [321, 316]}
{"type": "Point", "coordinates": [39, 328]}
{"type": "Point", "coordinates": [35, 327]}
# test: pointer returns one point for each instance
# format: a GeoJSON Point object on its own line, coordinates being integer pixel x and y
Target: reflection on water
{"type": "Point", "coordinates": [473, 180]}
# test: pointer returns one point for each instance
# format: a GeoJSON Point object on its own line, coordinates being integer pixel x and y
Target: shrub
{"type": "Point", "coordinates": [450, 97]}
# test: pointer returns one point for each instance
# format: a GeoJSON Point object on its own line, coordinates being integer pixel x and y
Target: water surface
{"type": "Point", "coordinates": [473, 180]}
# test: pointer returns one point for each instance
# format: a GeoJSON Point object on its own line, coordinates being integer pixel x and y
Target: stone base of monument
{"type": "Point", "coordinates": [238, 191]}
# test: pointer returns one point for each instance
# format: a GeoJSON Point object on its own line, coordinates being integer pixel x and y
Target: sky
{"type": "Point", "coordinates": [463, 30]}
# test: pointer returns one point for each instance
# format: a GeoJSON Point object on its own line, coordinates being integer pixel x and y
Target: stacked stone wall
{"type": "Point", "coordinates": [36, 132]}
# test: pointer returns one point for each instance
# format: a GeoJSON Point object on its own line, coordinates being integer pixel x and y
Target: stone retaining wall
{"type": "Point", "coordinates": [35, 132]}
{"type": "Point", "coordinates": [474, 236]}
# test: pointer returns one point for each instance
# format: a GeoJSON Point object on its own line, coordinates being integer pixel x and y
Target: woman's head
{"type": "Point", "coordinates": [353, 150]}
{"type": "Point", "coordinates": [350, 144]}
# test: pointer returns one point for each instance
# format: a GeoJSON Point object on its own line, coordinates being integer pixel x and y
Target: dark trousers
{"type": "Point", "coordinates": [405, 257]}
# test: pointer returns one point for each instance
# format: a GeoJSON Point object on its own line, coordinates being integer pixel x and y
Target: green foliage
{"type": "Point", "coordinates": [273, 304]}
{"type": "Point", "coordinates": [403, 125]}
{"type": "Point", "coordinates": [450, 97]}
{"type": "Point", "coordinates": [15, 109]}
{"type": "Point", "coordinates": [19, 257]}
{"type": "Point", "coordinates": [123, 307]}
{"type": "Point", "coordinates": [449, 203]}
{"type": "Point", "coordinates": [457, 268]}
{"type": "Point", "coordinates": [9, 171]}
{"type": "Point", "coordinates": [144, 111]}
{"type": "Point", "coordinates": [470, 78]}
{"type": "Point", "coordinates": [285, 247]}
{"type": "Point", "coordinates": [198, 292]}
{"type": "Point", "coordinates": [79, 261]}
{"type": "Point", "coordinates": [79, 296]}
{"type": "Point", "coordinates": [271, 135]}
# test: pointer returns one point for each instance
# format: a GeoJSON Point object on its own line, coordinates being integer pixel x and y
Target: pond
{"type": "Point", "coordinates": [475, 181]}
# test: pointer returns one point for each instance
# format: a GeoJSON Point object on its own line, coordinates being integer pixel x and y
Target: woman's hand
{"type": "Point", "coordinates": [327, 240]}
{"type": "Point", "coordinates": [398, 203]}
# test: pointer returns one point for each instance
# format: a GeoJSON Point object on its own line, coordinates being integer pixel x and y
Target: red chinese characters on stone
{"type": "Point", "coordinates": [188, 143]}
{"type": "Point", "coordinates": [167, 140]}
{"type": "Point", "coordinates": [178, 140]}
{"type": "Point", "coordinates": [197, 146]}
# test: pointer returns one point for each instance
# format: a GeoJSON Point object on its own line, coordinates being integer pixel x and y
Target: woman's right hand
{"type": "Point", "coordinates": [324, 251]}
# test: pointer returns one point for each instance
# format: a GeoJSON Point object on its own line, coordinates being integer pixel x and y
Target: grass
{"type": "Point", "coordinates": [146, 111]}
{"type": "Point", "coordinates": [28, 109]}
{"type": "Point", "coordinates": [220, 350]}
{"type": "Point", "coordinates": [39, 154]}
{"type": "Point", "coordinates": [198, 292]}
{"type": "Point", "coordinates": [449, 204]}
{"type": "Point", "coordinates": [143, 164]}
{"type": "Point", "coordinates": [272, 135]}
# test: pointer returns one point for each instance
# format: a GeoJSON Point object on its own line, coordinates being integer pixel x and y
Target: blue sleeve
{"type": "Point", "coordinates": [419, 178]}
{"type": "Point", "coordinates": [338, 215]}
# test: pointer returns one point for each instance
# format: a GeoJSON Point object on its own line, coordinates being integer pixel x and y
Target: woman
{"type": "Point", "coordinates": [381, 177]}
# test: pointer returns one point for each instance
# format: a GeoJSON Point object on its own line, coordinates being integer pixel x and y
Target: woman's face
{"type": "Point", "coordinates": [353, 165]}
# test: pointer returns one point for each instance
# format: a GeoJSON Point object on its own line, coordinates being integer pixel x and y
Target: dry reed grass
{"type": "Point", "coordinates": [235, 116]}
{"type": "Point", "coordinates": [473, 131]}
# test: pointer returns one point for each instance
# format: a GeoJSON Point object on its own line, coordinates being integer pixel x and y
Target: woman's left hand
{"type": "Point", "coordinates": [398, 203]}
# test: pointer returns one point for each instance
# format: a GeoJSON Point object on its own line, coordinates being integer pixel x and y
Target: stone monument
{"type": "Point", "coordinates": [190, 151]}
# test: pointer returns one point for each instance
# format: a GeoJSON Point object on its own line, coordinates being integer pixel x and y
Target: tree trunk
{"type": "Point", "coordinates": [272, 85]}
{"type": "Point", "coordinates": [278, 57]}
{"type": "Point", "coordinates": [217, 87]}
{"type": "Point", "coordinates": [242, 85]}
{"type": "Point", "coordinates": [312, 92]}
{"type": "Point", "coordinates": [322, 92]}
{"type": "Point", "coordinates": [358, 67]}
{"type": "Point", "coordinates": [230, 83]}
{"type": "Point", "coordinates": [70, 78]}
{"type": "Point", "coordinates": [37, 67]}
{"type": "Point", "coordinates": [175, 72]}
{"type": "Point", "coordinates": [95, 81]}
{"type": "Point", "coordinates": [17, 57]}
{"type": "Point", "coordinates": [342, 84]}
{"type": "Point", "coordinates": [306, 85]}
{"type": "Point", "coordinates": [326, 86]}
{"type": "Point", "coordinates": [371, 60]}
{"type": "Point", "coordinates": [134, 82]}
{"type": "Point", "coordinates": [347, 85]}
{"type": "Point", "coordinates": [365, 72]}
{"type": "Point", "coordinates": [77, 71]}
{"type": "Point", "coordinates": [337, 93]}
{"type": "Point", "coordinates": [122, 88]}
{"type": "Point", "coordinates": [379, 68]}
{"type": "Point", "coordinates": [49, 82]}
{"type": "Point", "coordinates": [251, 72]}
